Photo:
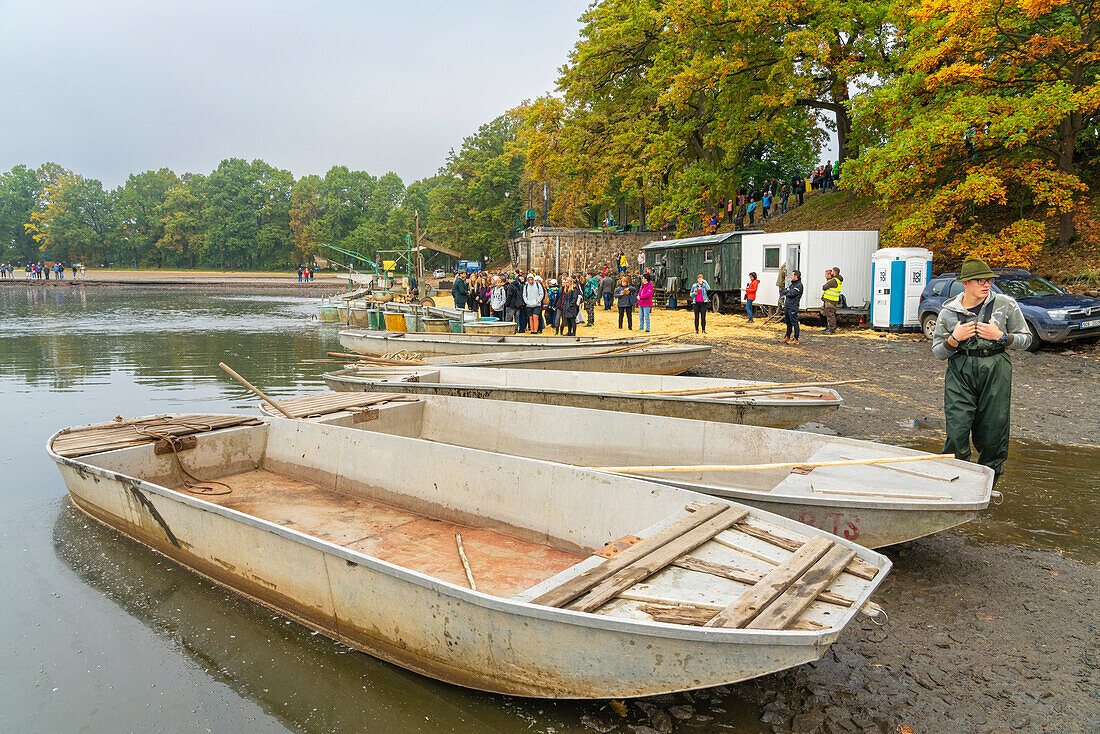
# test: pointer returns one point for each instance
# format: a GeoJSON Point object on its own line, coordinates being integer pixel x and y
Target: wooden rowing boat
{"type": "Point", "coordinates": [700, 398]}
{"type": "Point", "coordinates": [589, 585]}
{"type": "Point", "coordinates": [873, 504]}
{"type": "Point", "coordinates": [366, 341]}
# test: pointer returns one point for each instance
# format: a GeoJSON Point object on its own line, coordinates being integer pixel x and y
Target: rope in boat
{"type": "Point", "coordinates": [403, 354]}
{"type": "Point", "coordinates": [191, 483]}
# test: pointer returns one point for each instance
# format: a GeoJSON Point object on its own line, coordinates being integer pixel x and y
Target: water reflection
{"type": "Point", "coordinates": [1052, 500]}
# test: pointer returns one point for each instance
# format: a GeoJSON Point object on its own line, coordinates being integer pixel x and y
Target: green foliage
{"type": "Point", "coordinates": [476, 196]}
{"type": "Point", "coordinates": [19, 192]}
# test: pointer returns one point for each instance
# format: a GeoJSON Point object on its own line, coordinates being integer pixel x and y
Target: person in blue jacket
{"type": "Point", "coordinates": [699, 299]}
{"type": "Point", "coordinates": [792, 295]}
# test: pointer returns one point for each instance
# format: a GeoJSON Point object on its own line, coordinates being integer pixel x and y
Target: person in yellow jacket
{"type": "Point", "coordinates": [830, 298]}
{"type": "Point", "coordinates": [623, 262]}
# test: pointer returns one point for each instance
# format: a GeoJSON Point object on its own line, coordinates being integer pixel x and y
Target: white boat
{"type": "Point", "coordinates": [651, 359]}
{"type": "Point", "coordinates": [367, 341]}
{"type": "Point", "coordinates": [874, 505]}
{"type": "Point", "coordinates": [701, 398]}
{"type": "Point", "coordinates": [355, 534]}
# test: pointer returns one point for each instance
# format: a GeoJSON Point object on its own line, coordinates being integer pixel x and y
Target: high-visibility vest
{"type": "Point", "coordinates": [833, 294]}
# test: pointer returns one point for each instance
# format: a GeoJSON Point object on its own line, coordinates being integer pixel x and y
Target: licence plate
{"type": "Point", "coordinates": [1090, 324]}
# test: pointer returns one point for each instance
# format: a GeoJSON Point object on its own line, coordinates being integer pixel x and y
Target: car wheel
{"type": "Point", "coordinates": [928, 325]}
{"type": "Point", "coordinates": [715, 303]}
{"type": "Point", "coordinates": [1036, 340]}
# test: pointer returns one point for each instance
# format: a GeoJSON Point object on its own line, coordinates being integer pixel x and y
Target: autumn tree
{"type": "Point", "coordinates": [477, 196]}
{"type": "Point", "coordinates": [182, 225]}
{"type": "Point", "coordinates": [140, 204]}
{"type": "Point", "coordinates": [76, 218]}
{"type": "Point", "coordinates": [978, 137]}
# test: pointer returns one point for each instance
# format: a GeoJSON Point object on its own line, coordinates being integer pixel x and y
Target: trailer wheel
{"type": "Point", "coordinates": [715, 303]}
{"type": "Point", "coordinates": [427, 301]}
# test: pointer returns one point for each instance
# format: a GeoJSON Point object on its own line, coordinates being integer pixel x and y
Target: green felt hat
{"type": "Point", "coordinates": [973, 269]}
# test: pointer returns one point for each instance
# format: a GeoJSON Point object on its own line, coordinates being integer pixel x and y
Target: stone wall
{"type": "Point", "coordinates": [580, 249]}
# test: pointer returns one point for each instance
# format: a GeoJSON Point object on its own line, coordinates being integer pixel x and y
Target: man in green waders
{"type": "Point", "coordinates": [972, 332]}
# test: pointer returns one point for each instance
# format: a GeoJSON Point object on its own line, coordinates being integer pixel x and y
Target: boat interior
{"type": "Point", "coordinates": [588, 437]}
{"type": "Point", "coordinates": [527, 527]}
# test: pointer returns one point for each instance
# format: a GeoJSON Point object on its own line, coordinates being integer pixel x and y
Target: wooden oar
{"type": "Point", "coordinates": [254, 389]}
{"type": "Point", "coordinates": [739, 388]}
{"type": "Point", "coordinates": [759, 467]}
{"type": "Point", "coordinates": [650, 342]}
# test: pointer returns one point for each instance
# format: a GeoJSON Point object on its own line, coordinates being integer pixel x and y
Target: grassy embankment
{"type": "Point", "coordinates": [1076, 265]}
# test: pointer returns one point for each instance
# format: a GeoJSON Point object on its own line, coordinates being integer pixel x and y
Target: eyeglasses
{"type": "Point", "coordinates": [984, 281]}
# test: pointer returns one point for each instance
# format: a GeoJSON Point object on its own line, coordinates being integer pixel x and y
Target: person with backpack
{"type": "Point", "coordinates": [498, 298]}
{"type": "Point", "coordinates": [513, 303]}
{"type": "Point", "coordinates": [552, 294]}
{"type": "Point", "coordinates": [591, 293]}
{"type": "Point", "coordinates": [533, 295]}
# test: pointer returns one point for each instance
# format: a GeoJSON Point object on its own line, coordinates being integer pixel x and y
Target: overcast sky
{"type": "Point", "coordinates": [111, 87]}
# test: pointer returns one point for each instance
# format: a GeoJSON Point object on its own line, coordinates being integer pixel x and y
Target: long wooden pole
{"type": "Point", "coordinates": [758, 467]}
{"type": "Point", "coordinates": [253, 388]}
{"type": "Point", "coordinates": [645, 343]}
{"type": "Point", "coordinates": [735, 388]}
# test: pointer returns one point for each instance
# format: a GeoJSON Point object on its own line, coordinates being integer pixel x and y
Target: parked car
{"type": "Point", "coordinates": [439, 273]}
{"type": "Point", "coordinates": [1052, 313]}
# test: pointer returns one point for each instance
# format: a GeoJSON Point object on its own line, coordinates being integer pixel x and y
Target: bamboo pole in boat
{"type": "Point", "coordinates": [645, 343]}
{"type": "Point", "coordinates": [465, 561]}
{"type": "Point", "coordinates": [254, 389]}
{"type": "Point", "coordinates": [738, 388]}
{"type": "Point", "coordinates": [758, 467]}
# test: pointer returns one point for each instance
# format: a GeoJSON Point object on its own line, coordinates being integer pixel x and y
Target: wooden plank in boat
{"type": "Point", "coordinates": [653, 562]}
{"type": "Point", "coordinates": [305, 406]}
{"type": "Point", "coordinates": [126, 434]}
{"type": "Point", "coordinates": [574, 587]}
{"type": "Point", "coordinates": [792, 602]}
{"type": "Point", "coordinates": [743, 576]}
{"type": "Point", "coordinates": [745, 608]}
{"type": "Point", "coordinates": [856, 567]}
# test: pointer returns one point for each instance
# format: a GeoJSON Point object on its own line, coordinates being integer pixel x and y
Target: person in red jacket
{"type": "Point", "coordinates": [750, 294]}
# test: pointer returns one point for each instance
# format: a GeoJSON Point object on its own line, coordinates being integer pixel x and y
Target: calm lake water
{"type": "Point", "coordinates": [99, 634]}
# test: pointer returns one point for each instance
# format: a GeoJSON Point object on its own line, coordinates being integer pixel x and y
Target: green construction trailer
{"type": "Point", "coordinates": [677, 263]}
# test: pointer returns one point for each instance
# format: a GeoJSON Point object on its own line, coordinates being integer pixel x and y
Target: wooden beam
{"type": "Point", "coordinates": [792, 602]}
{"type": "Point", "coordinates": [574, 587]}
{"type": "Point", "coordinates": [657, 560]}
{"type": "Point", "coordinates": [742, 576]}
{"type": "Point", "coordinates": [745, 608]}
{"type": "Point", "coordinates": [761, 467]}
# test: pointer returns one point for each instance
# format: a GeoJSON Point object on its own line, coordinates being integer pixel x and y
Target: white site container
{"type": "Point", "coordinates": [812, 252]}
{"type": "Point", "coordinates": [899, 275]}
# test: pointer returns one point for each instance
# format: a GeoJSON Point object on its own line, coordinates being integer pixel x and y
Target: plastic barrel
{"type": "Point", "coordinates": [434, 325]}
{"type": "Point", "coordinates": [456, 326]}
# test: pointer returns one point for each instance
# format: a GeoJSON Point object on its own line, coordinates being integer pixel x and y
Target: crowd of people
{"type": "Point", "coordinates": [41, 271]}
{"type": "Point", "coordinates": [305, 274]}
{"type": "Point", "coordinates": [535, 303]}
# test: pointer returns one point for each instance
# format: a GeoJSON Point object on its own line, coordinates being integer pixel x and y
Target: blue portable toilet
{"type": "Point", "coordinates": [898, 275]}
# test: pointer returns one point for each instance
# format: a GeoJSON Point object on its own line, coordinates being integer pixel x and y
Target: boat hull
{"type": "Point", "coordinates": [775, 415]}
{"type": "Point", "coordinates": [444, 345]}
{"type": "Point", "coordinates": [419, 623]}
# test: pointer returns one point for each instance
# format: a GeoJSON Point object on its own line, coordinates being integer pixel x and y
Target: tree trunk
{"type": "Point", "coordinates": [1070, 127]}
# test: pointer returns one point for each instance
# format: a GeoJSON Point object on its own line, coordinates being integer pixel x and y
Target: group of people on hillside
{"type": "Point", "coordinates": [771, 197]}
